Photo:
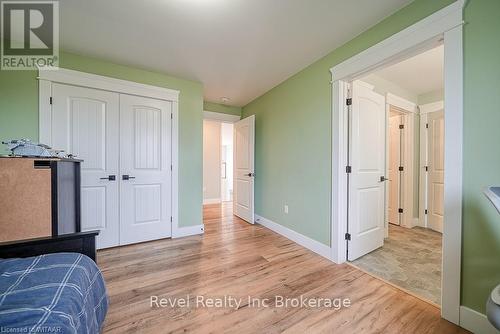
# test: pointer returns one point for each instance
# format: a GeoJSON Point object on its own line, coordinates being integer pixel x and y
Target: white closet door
{"type": "Point", "coordinates": [366, 182]}
{"type": "Point", "coordinates": [85, 123]}
{"type": "Point", "coordinates": [145, 163]}
{"type": "Point", "coordinates": [436, 170]}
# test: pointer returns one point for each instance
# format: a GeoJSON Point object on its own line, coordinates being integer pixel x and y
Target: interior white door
{"type": "Point", "coordinates": [435, 177]}
{"type": "Point", "coordinates": [85, 122]}
{"type": "Point", "coordinates": [394, 184]}
{"type": "Point", "coordinates": [145, 164]}
{"type": "Point", "coordinates": [366, 181]}
{"type": "Point", "coordinates": [243, 163]}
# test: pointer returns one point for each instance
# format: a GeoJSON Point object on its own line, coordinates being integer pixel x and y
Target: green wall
{"type": "Point", "coordinates": [481, 230]}
{"type": "Point", "coordinates": [19, 119]}
{"type": "Point", "coordinates": [293, 141]}
{"type": "Point", "coordinates": [221, 108]}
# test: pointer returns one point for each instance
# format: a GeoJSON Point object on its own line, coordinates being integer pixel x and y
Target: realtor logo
{"type": "Point", "coordinates": [30, 34]}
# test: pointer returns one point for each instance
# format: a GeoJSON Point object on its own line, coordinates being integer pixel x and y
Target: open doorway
{"type": "Point", "coordinates": [228, 169]}
{"type": "Point", "coordinates": [217, 162]}
{"type": "Point", "coordinates": [217, 169]}
{"type": "Point", "coordinates": [396, 184]}
{"type": "Point", "coordinates": [227, 162]}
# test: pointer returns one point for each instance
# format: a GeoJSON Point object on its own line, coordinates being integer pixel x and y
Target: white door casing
{"type": "Point", "coordinates": [85, 122]}
{"type": "Point", "coordinates": [425, 34]}
{"type": "Point", "coordinates": [243, 164]}
{"type": "Point", "coordinates": [394, 175]}
{"type": "Point", "coordinates": [145, 164]}
{"type": "Point", "coordinates": [435, 177]}
{"type": "Point", "coordinates": [367, 160]}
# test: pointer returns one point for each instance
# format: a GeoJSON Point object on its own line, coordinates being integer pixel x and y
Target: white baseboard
{"type": "Point", "coordinates": [187, 231]}
{"type": "Point", "coordinates": [211, 201]}
{"type": "Point", "coordinates": [313, 245]}
{"type": "Point", "coordinates": [475, 322]}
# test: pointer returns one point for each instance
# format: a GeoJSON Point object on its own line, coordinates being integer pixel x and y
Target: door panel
{"type": "Point", "coordinates": [394, 184]}
{"type": "Point", "coordinates": [367, 158]}
{"type": "Point", "coordinates": [243, 193]}
{"type": "Point", "coordinates": [436, 170]}
{"type": "Point", "coordinates": [85, 123]}
{"type": "Point", "coordinates": [145, 157]}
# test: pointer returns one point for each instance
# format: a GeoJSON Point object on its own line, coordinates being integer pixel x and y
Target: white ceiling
{"type": "Point", "coordinates": [418, 75]}
{"type": "Point", "coordinates": [236, 48]}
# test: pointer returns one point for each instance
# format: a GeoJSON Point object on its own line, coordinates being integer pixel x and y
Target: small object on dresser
{"type": "Point", "coordinates": [27, 148]}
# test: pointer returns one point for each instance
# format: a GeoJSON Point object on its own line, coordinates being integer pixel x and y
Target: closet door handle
{"type": "Point", "coordinates": [127, 177]}
{"type": "Point", "coordinates": [109, 178]}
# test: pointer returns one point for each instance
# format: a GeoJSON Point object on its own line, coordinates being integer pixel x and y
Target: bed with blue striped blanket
{"type": "Point", "coordinates": [52, 293]}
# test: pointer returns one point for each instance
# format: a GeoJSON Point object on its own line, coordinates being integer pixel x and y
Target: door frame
{"type": "Point", "coordinates": [444, 26]}
{"type": "Point", "coordinates": [425, 109]}
{"type": "Point", "coordinates": [221, 118]}
{"type": "Point", "coordinates": [48, 76]}
{"type": "Point", "coordinates": [409, 112]}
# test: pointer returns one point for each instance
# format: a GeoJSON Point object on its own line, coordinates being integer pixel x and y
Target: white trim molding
{"type": "Point", "coordinates": [431, 107]}
{"type": "Point", "coordinates": [475, 322]}
{"type": "Point", "coordinates": [83, 79]}
{"type": "Point", "coordinates": [313, 245]}
{"type": "Point", "coordinates": [221, 117]}
{"type": "Point", "coordinates": [188, 231]}
{"type": "Point", "coordinates": [175, 168]}
{"type": "Point", "coordinates": [406, 43]}
{"type": "Point", "coordinates": [401, 103]}
{"type": "Point", "coordinates": [339, 179]}
{"type": "Point", "coordinates": [445, 24]}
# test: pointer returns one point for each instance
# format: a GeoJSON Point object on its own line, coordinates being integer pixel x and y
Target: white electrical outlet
{"type": "Point", "coordinates": [286, 209]}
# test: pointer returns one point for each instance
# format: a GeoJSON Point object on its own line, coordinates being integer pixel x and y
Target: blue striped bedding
{"type": "Point", "coordinates": [52, 293]}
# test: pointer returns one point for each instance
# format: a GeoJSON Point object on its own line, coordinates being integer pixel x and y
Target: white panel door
{"type": "Point", "coordinates": [367, 160]}
{"type": "Point", "coordinates": [394, 184]}
{"type": "Point", "coordinates": [145, 163]}
{"type": "Point", "coordinates": [243, 164]}
{"type": "Point", "coordinates": [435, 177]}
{"type": "Point", "coordinates": [85, 122]}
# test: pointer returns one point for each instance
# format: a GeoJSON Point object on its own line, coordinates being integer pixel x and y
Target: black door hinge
{"type": "Point", "coordinates": [401, 168]}
{"type": "Point", "coordinates": [426, 212]}
{"type": "Point", "coordinates": [348, 236]}
{"type": "Point", "coordinates": [348, 169]}
{"type": "Point", "coordinates": [426, 168]}
{"type": "Point", "coordinates": [400, 210]}
{"type": "Point", "coordinates": [50, 100]}
{"type": "Point", "coordinates": [171, 219]}
{"type": "Point", "coordinates": [426, 125]}
{"type": "Point", "coordinates": [171, 116]}
{"type": "Point", "coordinates": [401, 126]}
{"type": "Point", "coordinates": [348, 101]}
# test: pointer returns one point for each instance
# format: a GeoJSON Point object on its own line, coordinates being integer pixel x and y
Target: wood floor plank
{"type": "Point", "coordinates": [234, 258]}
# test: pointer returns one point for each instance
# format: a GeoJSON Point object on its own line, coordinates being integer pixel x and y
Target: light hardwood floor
{"type": "Point", "coordinates": [236, 259]}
